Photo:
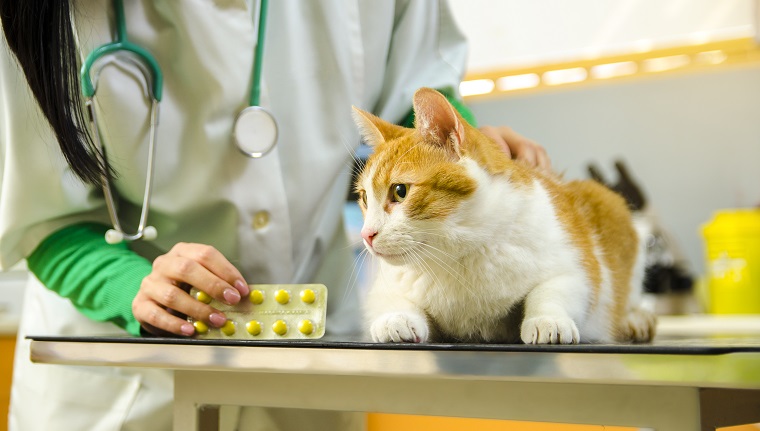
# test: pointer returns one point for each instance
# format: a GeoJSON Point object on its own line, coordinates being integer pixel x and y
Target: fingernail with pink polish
{"type": "Point", "coordinates": [217, 320]}
{"type": "Point", "coordinates": [242, 287]}
{"type": "Point", "coordinates": [187, 329]}
{"type": "Point", "coordinates": [232, 296]}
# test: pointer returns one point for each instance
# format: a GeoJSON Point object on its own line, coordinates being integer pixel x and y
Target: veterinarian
{"type": "Point", "coordinates": [216, 218]}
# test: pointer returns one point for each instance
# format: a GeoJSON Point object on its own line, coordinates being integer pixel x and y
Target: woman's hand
{"type": "Point", "coordinates": [163, 301]}
{"type": "Point", "coordinates": [518, 147]}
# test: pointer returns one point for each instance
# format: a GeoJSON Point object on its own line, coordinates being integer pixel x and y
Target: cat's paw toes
{"type": "Point", "coordinates": [640, 325]}
{"type": "Point", "coordinates": [399, 328]}
{"type": "Point", "coordinates": [549, 330]}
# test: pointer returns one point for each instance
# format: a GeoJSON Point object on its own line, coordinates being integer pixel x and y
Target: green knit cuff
{"type": "Point", "coordinates": [459, 105]}
{"type": "Point", "coordinates": [99, 279]}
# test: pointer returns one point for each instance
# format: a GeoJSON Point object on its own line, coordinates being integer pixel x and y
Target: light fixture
{"type": "Point", "coordinates": [476, 87]}
{"type": "Point", "coordinates": [564, 76]}
{"type": "Point", "coordinates": [518, 82]}
{"type": "Point", "coordinates": [614, 70]}
{"type": "Point", "coordinates": [661, 64]}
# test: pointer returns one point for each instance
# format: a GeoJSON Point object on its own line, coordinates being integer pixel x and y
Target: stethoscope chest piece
{"type": "Point", "coordinates": [255, 131]}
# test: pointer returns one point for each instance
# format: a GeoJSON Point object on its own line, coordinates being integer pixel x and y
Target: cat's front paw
{"type": "Point", "coordinates": [549, 330]}
{"type": "Point", "coordinates": [399, 328]}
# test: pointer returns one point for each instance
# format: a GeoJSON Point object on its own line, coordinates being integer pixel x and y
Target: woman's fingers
{"type": "Point", "coordinates": [163, 300]}
{"type": "Point", "coordinates": [495, 135]}
{"type": "Point", "coordinates": [158, 321]}
{"type": "Point", "coordinates": [542, 158]}
{"type": "Point", "coordinates": [181, 269]}
{"type": "Point", "coordinates": [163, 305]}
{"type": "Point", "coordinates": [518, 147]}
{"type": "Point", "coordinates": [214, 261]}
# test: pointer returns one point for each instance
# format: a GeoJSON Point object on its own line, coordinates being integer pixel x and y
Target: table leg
{"type": "Point", "coordinates": [729, 407]}
{"type": "Point", "coordinates": [208, 418]}
{"type": "Point", "coordinates": [185, 406]}
{"type": "Point", "coordinates": [656, 407]}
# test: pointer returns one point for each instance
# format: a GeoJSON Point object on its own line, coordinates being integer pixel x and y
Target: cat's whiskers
{"type": "Point", "coordinates": [464, 282]}
{"type": "Point", "coordinates": [421, 262]}
{"type": "Point", "coordinates": [434, 233]}
{"type": "Point", "coordinates": [445, 266]}
{"type": "Point", "coordinates": [469, 287]}
{"type": "Point", "coordinates": [443, 252]}
{"type": "Point", "coordinates": [355, 271]}
{"type": "Point", "coordinates": [448, 299]}
{"type": "Point", "coordinates": [358, 164]}
{"type": "Point", "coordinates": [353, 245]}
{"type": "Point", "coordinates": [381, 273]}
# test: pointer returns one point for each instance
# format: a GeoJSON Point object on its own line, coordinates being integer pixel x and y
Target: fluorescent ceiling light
{"type": "Point", "coordinates": [711, 57]}
{"type": "Point", "coordinates": [613, 70]}
{"type": "Point", "coordinates": [564, 76]}
{"type": "Point", "coordinates": [661, 64]}
{"type": "Point", "coordinates": [518, 82]}
{"type": "Point", "coordinates": [476, 86]}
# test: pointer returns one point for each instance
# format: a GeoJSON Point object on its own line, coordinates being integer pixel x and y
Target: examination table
{"type": "Point", "coordinates": [684, 382]}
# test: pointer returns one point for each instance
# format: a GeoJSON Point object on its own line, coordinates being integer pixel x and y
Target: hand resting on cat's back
{"type": "Point", "coordinates": [474, 247]}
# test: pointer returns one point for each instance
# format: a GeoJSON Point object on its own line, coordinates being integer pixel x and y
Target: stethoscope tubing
{"type": "Point", "coordinates": [154, 81]}
{"type": "Point", "coordinates": [258, 55]}
{"type": "Point", "coordinates": [117, 234]}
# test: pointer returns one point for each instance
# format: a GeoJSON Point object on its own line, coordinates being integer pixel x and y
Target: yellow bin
{"type": "Point", "coordinates": [732, 247]}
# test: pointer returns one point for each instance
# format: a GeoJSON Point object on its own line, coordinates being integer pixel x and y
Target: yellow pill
{"type": "Point", "coordinates": [201, 327]}
{"type": "Point", "coordinates": [282, 296]}
{"type": "Point", "coordinates": [253, 327]}
{"type": "Point", "coordinates": [228, 328]}
{"type": "Point", "coordinates": [256, 297]}
{"type": "Point", "coordinates": [203, 297]}
{"type": "Point", "coordinates": [280, 327]}
{"type": "Point", "coordinates": [306, 327]}
{"type": "Point", "coordinates": [308, 296]}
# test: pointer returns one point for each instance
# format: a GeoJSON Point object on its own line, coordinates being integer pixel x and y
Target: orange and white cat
{"type": "Point", "coordinates": [475, 247]}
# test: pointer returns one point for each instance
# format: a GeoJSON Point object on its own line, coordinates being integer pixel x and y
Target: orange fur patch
{"type": "Point", "coordinates": [591, 213]}
{"type": "Point", "coordinates": [437, 184]}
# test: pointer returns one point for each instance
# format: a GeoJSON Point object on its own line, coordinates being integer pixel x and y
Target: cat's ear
{"type": "Point", "coordinates": [373, 129]}
{"type": "Point", "coordinates": [437, 121]}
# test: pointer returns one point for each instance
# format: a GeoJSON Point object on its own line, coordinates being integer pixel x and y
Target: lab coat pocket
{"type": "Point", "coordinates": [72, 398]}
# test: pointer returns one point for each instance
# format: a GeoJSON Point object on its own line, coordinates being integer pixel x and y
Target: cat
{"type": "Point", "coordinates": [475, 247]}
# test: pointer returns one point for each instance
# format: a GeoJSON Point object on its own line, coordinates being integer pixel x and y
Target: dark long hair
{"type": "Point", "coordinates": [40, 34]}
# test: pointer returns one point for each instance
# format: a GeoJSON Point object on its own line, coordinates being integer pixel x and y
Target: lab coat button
{"type": "Point", "coordinates": [260, 220]}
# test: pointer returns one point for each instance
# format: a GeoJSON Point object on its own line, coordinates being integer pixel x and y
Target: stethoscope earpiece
{"type": "Point", "coordinates": [148, 233]}
{"type": "Point", "coordinates": [113, 236]}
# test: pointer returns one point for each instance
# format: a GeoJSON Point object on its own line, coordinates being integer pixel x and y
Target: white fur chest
{"type": "Point", "coordinates": [503, 242]}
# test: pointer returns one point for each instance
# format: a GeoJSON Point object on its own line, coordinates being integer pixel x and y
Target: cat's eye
{"type": "Point", "coordinates": [399, 192]}
{"type": "Point", "coordinates": [363, 197]}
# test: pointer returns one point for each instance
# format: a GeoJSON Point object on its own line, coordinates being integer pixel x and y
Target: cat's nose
{"type": "Point", "coordinates": [368, 234]}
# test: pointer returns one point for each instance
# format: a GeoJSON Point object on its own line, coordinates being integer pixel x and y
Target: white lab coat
{"type": "Point", "coordinates": [321, 57]}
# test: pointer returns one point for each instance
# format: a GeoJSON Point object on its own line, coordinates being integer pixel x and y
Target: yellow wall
{"type": "Point", "coordinates": [387, 422]}
{"type": "Point", "coordinates": [7, 344]}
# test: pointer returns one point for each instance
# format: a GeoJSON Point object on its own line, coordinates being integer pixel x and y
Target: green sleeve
{"type": "Point", "coordinates": [99, 279]}
{"type": "Point", "coordinates": [459, 105]}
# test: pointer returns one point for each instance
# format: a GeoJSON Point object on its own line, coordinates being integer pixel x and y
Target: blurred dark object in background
{"type": "Point", "coordinates": [667, 277]}
{"type": "Point", "coordinates": [625, 186]}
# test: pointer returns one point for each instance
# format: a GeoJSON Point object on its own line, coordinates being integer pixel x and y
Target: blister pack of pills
{"type": "Point", "coordinates": [269, 312]}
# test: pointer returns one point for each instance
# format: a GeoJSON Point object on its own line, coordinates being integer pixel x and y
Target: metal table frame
{"type": "Point", "coordinates": [673, 389]}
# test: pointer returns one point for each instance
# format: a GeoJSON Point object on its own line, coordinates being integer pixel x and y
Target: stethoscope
{"type": "Point", "coordinates": [254, 131]}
